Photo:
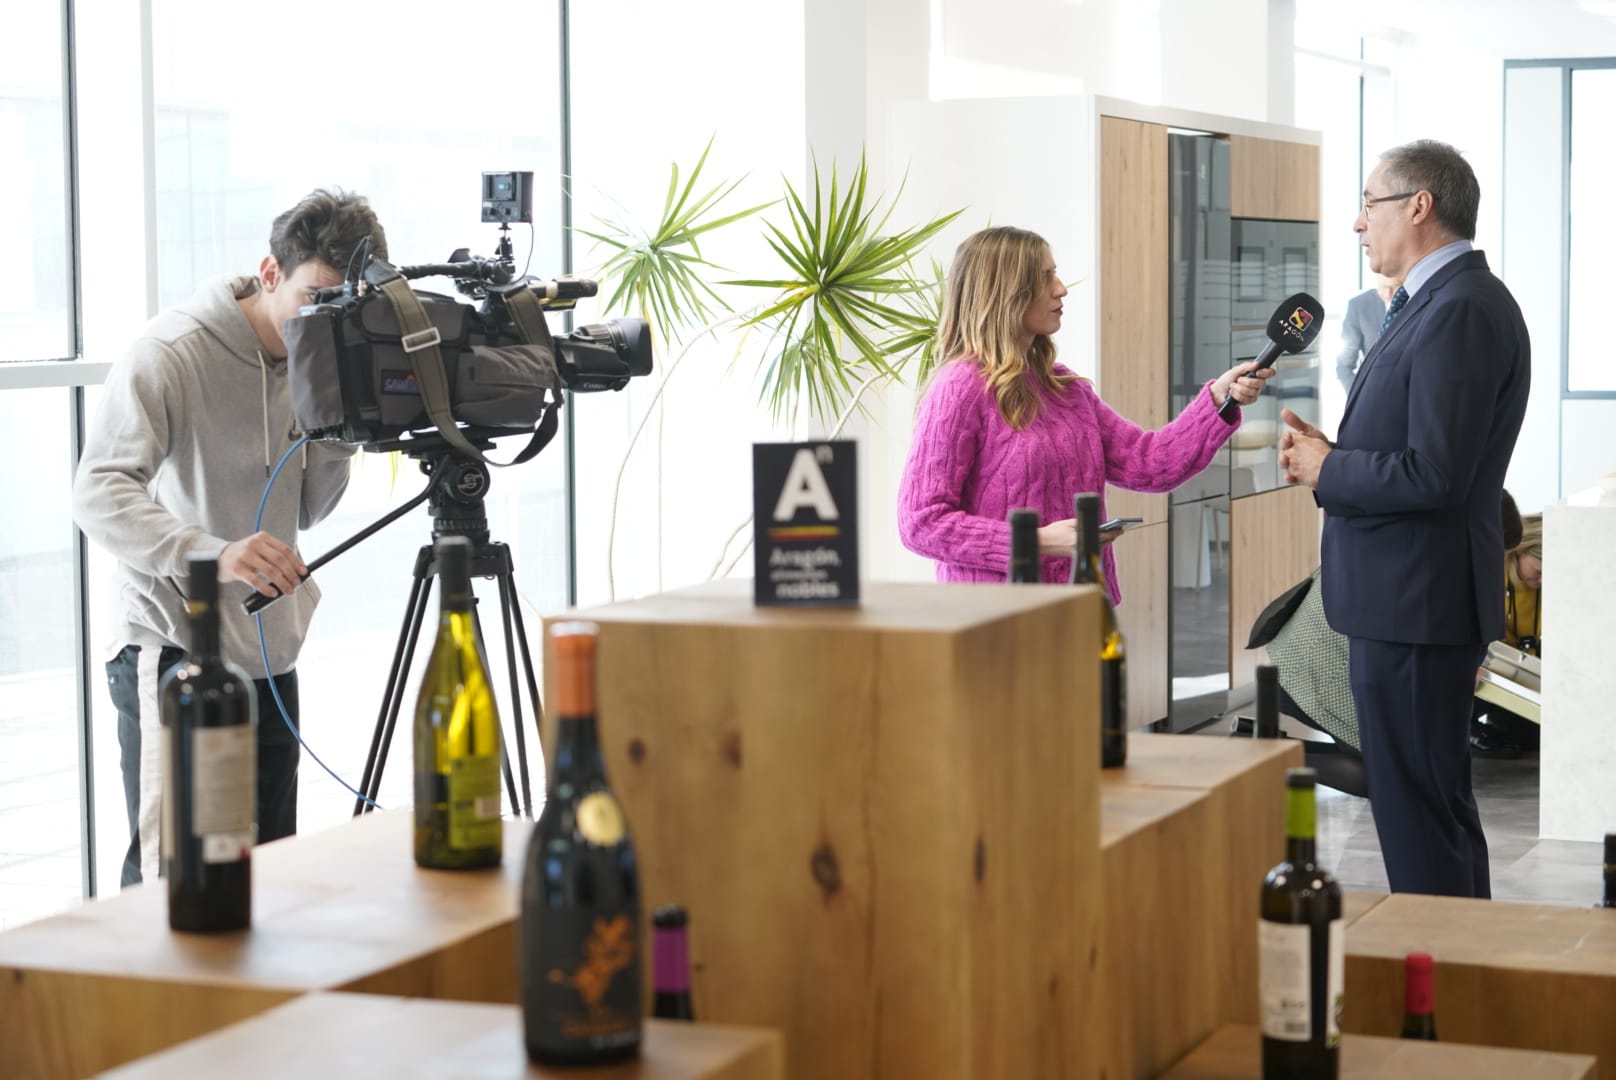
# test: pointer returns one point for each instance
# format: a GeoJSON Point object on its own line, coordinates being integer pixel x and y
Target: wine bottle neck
{"type": "Point", "coordinates": [1300, 825]}
{"type": "Point", "coordinates": [670, 960]}
{"type": "Point", "coordinates": [578, 752]}
{"type": "Point", "coordinates": [1418, 999]}
{"type": "Point", "coordinates": [204, 632]}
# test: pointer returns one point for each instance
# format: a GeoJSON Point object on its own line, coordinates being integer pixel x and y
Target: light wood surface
{"type": "Point", "coordinates": [345, 908]}
{"type": "Point", "coordinates": [1244, 784]}
{"type": "Point", "coordinates": [1142, 576]}
{"type": "Point", "coordinates": [1160, 953]}
{"type": "Point", "coordinates": [1132, 377]}
{"type": "Point", "coordinates": [1273, 544]}
{"type": "Point", "coordinates": [351, 1036]}
{"type": "Point", "coordinates": [1235, 1053]}
{"type": "Point", "coordinates": [1355, 904]}
{"type": "Point", "coordinates": [1536, 976]}
{"type": "Point", "coordinates": [1134, 288]}
{"type": "Point", "coordinates": [883, 822]}
{"type": "Point", "coordinates": [1269, 178]}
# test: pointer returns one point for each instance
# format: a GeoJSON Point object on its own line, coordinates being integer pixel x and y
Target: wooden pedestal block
{"type": "Point", "coordinates": [345, 908]}
{"type": "Point", "coordinates": [357, 1035]}
{"type": "Point", "coordinates": [1235, 1053]}
{"type": "Point", "coordinates": [1159, 954]}
{"type": "Point", "coordinates": [1244, 836]}
{"type": "Point", "coordinates": [1507, 974]}
{"type": "Point", "coordinates": [1356, 904]}
{"type": "Point", "coordinates": [883, 821]}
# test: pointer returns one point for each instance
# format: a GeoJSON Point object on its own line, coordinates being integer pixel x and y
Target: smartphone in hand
{"type": "Point", "coordinates": [1121, 523]}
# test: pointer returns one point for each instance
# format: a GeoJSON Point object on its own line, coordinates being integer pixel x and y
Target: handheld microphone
{"type": "Point", "coordinates": [1292, 328]}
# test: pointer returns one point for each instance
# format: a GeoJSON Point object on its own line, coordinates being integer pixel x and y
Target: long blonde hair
{"type": "Point", "coordinates": [996, 274]}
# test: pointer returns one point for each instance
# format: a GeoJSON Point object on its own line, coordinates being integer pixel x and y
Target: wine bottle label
{"type": "Point", "coordinates": [224, 780]}
{"type": "Point", "coordinates": [587, 984]}
{"type": "Point", "coordinates": [600, 820]}
{"type": "Point", "coordinates": [1283, 973]}
{"type": "Point", "coordinates": [1336, 983]}
{"type": "Point", "coordinates": [474, 802]}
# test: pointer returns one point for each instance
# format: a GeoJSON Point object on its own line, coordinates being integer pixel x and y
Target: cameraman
{"type": "Point", "coordinates": [192, 420]}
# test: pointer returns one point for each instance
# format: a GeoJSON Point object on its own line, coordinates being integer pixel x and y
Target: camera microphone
{"type": "Point", "coordinates": [568, 288]}
{"type": "Point", "coordinates": [1294, 325]}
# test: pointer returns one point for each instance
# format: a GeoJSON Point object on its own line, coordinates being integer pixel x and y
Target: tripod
{"type": "Point", "coordinates": [455, 494]}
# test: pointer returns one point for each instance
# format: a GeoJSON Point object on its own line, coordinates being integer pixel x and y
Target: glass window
{"type": "Point", "coordinates": [36, 319]}
{"type": "Point", "coordinates": [40, 848]}
{"type": "Point", "coordinates": [1590, 358]}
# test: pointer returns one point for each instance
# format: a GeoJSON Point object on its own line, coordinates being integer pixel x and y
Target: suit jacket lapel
{"type": "Point", "coordinates": [1470, 260]}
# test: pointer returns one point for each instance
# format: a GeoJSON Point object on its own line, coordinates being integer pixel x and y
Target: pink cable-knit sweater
{"type": "Point", "coordinates": [968, 469]}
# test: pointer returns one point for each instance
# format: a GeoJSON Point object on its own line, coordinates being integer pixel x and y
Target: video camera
{"type": "Point", "coordinates": [372, 360]}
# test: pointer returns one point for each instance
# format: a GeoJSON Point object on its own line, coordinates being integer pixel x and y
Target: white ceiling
{"type": "Point", "coordinates": [1507, 29]}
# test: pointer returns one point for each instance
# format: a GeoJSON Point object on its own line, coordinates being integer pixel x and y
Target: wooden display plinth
{"type": "Point", "coordinates": [1355, 904]}
{"type": "Point", "coordinates": [1190, 826]}
{"type": "Point", "coordinates": [358, 1035]}
{"type": "Point", "coordinates": [1158, 958]}
{"type": "Point", "coordinates": [883, 821]}
{"type": "Point", "coordinates": [1235, 1053]}
{"type": "Point", "coordinates": [346, 908]}
{"type": "Point", "coordinates": [1507, 974]}
{"type": "Point", "coordinates": [1244, 780]}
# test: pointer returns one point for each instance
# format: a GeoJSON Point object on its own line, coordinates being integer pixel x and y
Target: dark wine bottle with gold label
{"type": "Point", "coordinates": [209, 714]}
{"type": "Point", "coordinates": [1087, 570]}
{"type": "Point", "coordinates": [457, 751]}
{"type": "Point", "coordinates": [581, 956]}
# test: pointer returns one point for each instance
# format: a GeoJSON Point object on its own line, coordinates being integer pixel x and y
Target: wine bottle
{"type": "Point", "coordinates": [1086, 570]}
{"type": "Point", "coordinates": [1419, 1005]}
{"type": "Point", "coordinates": [1267, 724]}
{"type": "Point", "coordinates": [1025, 568]}
{"type": "Point", "coordinates": [1609, 900]}
{"type": "Point", "coordinates": [209, 715]}
{"type": "Point", "coordinates": [457, 751]}
{"type": "Point", "coordinates": [579, 930]}
{"type": "Point", "coordinates": [670, 964]}
{"type": "Point", "coordinates": [1301, 947]}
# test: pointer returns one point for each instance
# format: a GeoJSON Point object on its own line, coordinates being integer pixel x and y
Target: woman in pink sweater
{"type": "Point", "coordinates": [1002, 425]}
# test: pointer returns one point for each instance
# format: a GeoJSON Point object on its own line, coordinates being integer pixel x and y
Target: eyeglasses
{"type": "Point", "coordinates": [1371, 200]}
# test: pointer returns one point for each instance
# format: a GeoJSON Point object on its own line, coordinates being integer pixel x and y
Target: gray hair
{"type": "Point", "coordinates": [1428, 165]}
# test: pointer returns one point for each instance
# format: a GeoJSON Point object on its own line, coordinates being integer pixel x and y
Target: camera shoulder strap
{"type": "Point", "coordinates": [530, 323]}
{"type": "Point", "coordinates": [419, 339]}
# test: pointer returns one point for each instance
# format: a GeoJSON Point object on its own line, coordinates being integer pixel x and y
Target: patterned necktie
{"type": "Point", "coordinates": [1399, 298]}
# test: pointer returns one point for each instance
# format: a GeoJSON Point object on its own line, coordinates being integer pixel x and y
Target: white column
{"type": "Point", "coordinates": [1578, 758]}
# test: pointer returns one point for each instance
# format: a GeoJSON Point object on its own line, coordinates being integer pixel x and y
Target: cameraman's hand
{"type": "Point", "coordinates": [263, 562]}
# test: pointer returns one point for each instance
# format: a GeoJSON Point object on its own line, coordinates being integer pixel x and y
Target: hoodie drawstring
{"type": "Point", "coordinates": [263, 397]}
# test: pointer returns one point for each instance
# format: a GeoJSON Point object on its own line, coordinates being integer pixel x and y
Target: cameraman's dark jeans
{"type": "Point", "coordinates": [132, 679]}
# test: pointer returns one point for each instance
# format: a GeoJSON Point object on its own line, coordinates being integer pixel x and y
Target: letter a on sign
{"type": "Point", "coordinates": [805, 488]}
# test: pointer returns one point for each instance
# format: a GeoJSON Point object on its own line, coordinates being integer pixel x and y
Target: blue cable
{"type": "Point", "coordinates": [263, 647]}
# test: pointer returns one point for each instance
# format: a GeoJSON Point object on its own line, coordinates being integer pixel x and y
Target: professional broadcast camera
{"type": "Point", "coordinates": [371, 360]}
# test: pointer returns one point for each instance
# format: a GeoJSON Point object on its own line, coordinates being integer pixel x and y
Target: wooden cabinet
{"type": "Point", "coordinates": [1269, 178]}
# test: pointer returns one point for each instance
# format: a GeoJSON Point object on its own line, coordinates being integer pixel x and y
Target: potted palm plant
{"type": "Point", "coordinates": [843, 310]}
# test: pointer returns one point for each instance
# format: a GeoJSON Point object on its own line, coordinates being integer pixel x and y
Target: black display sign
{"type": "Point", "coordinates": [805, 523]}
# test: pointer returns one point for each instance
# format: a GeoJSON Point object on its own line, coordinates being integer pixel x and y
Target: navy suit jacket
{"type": "Point", "coordinates": [1413, 548]}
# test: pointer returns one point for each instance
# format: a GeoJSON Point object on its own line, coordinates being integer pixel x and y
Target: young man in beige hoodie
{"type": "Point", "coordinates": [192, 420]}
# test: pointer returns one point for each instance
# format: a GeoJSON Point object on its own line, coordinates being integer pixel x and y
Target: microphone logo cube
{"type": "Point", "coordinates": [1301, 318]}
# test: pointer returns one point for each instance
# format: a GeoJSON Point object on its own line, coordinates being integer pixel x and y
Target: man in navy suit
{"type": "Point", "coordinates": [1413, 549]}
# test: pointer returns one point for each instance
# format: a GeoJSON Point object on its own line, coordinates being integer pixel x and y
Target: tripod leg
{"type": "Point", "coordinates": [504, 750]}
{"type": "Point", "coordinates": [507, 603]}
{"type": "Point", "coordinates": [532, 684]}
{"type": "Point", "coordinates": [392, 699]}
